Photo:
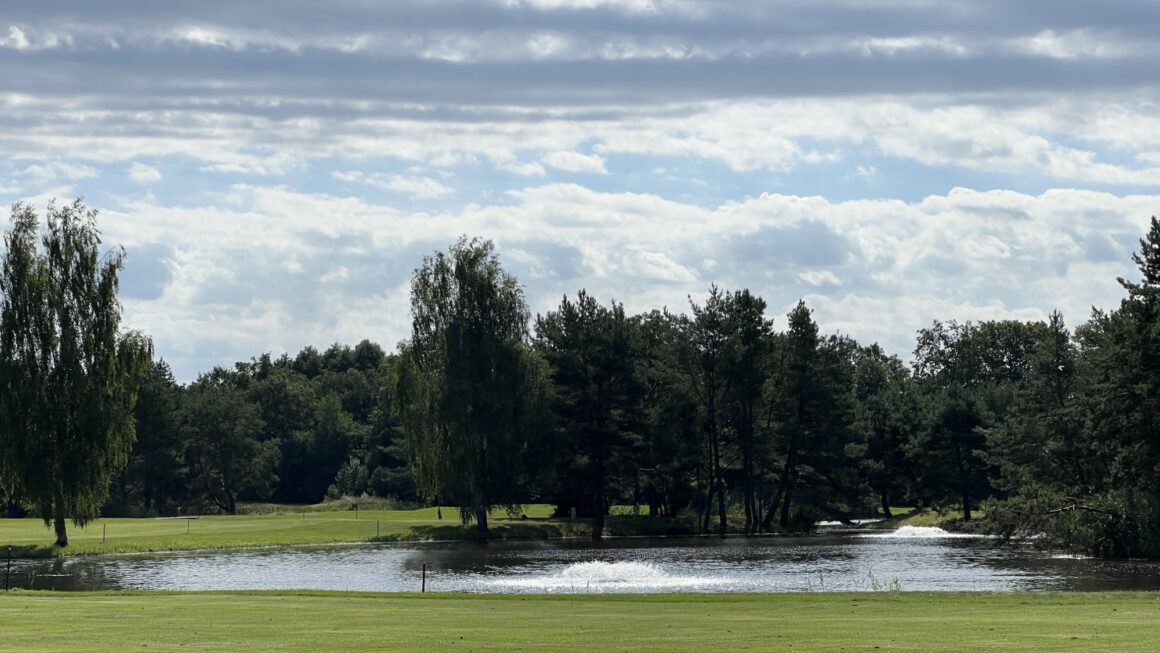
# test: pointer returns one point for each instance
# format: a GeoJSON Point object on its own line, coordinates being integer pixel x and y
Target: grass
{"type": "Point", "coordinates": [30, 538]}
{"type": "Point", "coordinates": [313, 621]}
{"type": "Point", "coordinates": [949, 519]}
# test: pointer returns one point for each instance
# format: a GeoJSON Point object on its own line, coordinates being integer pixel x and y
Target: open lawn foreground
{"type": "Point", "coordinates": [320, 621]}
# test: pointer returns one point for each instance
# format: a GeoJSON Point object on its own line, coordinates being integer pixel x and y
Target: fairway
{"type": "Point", "coordinates": [30, 538]}
{"type": "Point", "coordinates": [269, 621]}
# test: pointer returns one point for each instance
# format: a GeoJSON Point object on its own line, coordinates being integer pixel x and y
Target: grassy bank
{"type": "Point", "coordinates": [29, 538]}
{"type": "Point", "coordinates": [951, 520]}
{"type": "Point", "coordinates": [270, 621]}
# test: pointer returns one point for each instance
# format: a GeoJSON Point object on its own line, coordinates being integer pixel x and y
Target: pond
{"type": "Point", "coordinates": [910, 559]}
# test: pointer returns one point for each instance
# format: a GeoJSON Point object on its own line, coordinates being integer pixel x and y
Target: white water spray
{"type": "Point", "coordinates": [599, 577]}
{"type": "Point", "coordinates": [918, 533]}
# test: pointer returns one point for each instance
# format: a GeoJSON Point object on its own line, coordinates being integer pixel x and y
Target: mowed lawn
{"type": "Point", "coordinates": [30, 538]}
{"type": "Point", "coordinates": [280, 621]}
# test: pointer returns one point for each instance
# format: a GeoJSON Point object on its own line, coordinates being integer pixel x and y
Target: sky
{"type": "Point", "coordinates": [277, 169]}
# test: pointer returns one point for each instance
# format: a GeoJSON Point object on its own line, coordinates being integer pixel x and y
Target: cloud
{"type": "Point", "coordinates": [417, 187]}
{"type": "Point", "coordinates": [143, 174]}
{"type": "Point", "coordinates": [876, 270]}
{"type": "Point", "coordinates": [45, 173]}
{"type": "Point", "coordinates": [779, 136]}
{"type": "Point", "coordinates": [16, 39]}
{"type": "Point", "coordinates": [576, 162]}
{"type": "Point", "coordinates": [892, 162]}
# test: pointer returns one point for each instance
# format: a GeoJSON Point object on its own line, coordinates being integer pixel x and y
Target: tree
{"type": "Point", "coordinates": [227, 458]}
{"type": "Point", "coordinates": [887, 419]}
{"type": "Point", "coordinates": [746, 363]}
{"type": "Point", "coordinates": [705, 368]}
{"type": "Point", "coordinates": [811, 407]}
{"type": "Point", "coordinates": [469, 389]}
{"type": "Point", "coordinates": [592, 351]}
{"type": "Point", "coordinates": [288, 405]}
{"type": "Point", "coordinates": [970, 375]}
{"type": "Point", "coordinates": [69, 374]}
{"type": "Point", "coordinates": [1081, 457]}
{"type": "Point", "coordinates": [666, 450]}
{"type": "Point", "coordinates": [154, 480]}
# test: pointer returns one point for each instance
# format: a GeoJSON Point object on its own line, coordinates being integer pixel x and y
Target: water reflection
{"type": "Point", "coordinates": [767, 564]}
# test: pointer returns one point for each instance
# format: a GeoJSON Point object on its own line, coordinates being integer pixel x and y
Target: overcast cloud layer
{"type": "Point", "coordinates": [276, 170]}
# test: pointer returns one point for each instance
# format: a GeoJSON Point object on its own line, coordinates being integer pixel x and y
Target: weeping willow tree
{"type": "Point", "coordinates": [69, 375]}
{"type": "Point", "coordinates": [469, 390]}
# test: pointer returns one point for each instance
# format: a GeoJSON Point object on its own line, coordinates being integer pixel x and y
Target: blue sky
{"type": "Point", "coordinates": [276, 169]}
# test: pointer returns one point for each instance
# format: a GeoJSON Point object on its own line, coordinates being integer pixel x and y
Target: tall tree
{"type": "Point", "coordinates": [746, 362]}
{"type": "Point", "coordinates": [666, 450]}
{"type": "Point", "coordinates": [811, 409]}
{"type": "Point", "coordinates": [69, 374]}
{"type": "Point", "coordinates": [705, 361]}
{"type": "Point", "coordinates": [469, 388]}
{"type": "Point", "coordinates": [592, 351]}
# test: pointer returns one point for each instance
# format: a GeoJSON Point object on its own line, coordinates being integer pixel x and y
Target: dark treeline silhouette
{"type": "Point", "coordinates": [722, 415]}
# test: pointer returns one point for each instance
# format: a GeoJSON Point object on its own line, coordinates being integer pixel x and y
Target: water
{"type": "Point", "coordinates": [910, 559]}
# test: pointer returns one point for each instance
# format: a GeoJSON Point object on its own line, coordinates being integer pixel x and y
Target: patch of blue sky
{"type": "Point", "coordinates": [177, 181]}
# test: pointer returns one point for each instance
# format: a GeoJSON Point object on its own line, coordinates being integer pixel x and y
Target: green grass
{"type": "Point", "coordinates": [950, 519]}
{"type": "Point", "coordinates": [316, 621]}
{"type": "Point", "coordinates": [30, 538]}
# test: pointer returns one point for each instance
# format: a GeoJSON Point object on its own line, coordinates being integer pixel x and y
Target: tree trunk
{"type": "Point", "coordinates": [886, 506]}
{"type": "Point", "coordinates": [598, 497]}
{"type": "Point", "coordinates": [58, 521]}
{"type": "Point", "coordinates": [966, 507]}
{"type": "Point", "coordinates": [785, 499]}
{"type": "Point", "coordinates": [767, 523]}
{"type": "Point", "coordinates": [481, 519]}
{"type": "Point", "coordinates": [751, 515]}
{"type": "Point", "coordinates": [61, 531]}
{"type": "Point", "coordinates": [709, 486]}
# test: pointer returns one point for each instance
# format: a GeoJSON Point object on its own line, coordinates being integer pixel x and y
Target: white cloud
{"type": "Point", "coordinates": [742, 110]}
{"type": "Point", "coordinates": [415, 186]}
{"type": "Point", "coordinates": [576, 162]}
{"type": "Point", "coordinates": [16, 39]}
{"type": "Point", "coordinates": [1023, 139]}
{"type": "Point", "coordinates": [529, 169]}
{"type": "Point", "coordinates": [143, 174]}
{"type": "Point", "coordinates": [963, 255]}
{"type": "Point", "coordinates": [820, 277]}
{"type": "Point", "coordinates": [44, 173]}
{"type": "Point", "coordinates": [1076, 44]}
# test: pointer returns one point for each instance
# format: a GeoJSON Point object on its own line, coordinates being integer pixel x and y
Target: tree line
{"type": "Point", "coordinates": [742, 422]}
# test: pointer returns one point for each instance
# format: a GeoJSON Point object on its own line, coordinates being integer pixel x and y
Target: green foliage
{"type": "Point", "coordinates": [69, 376]}
{"type": "Point", "coordinates": [812, 412]}
{"type": "Point", "coordinates": [469, 390]}
{"type": "Point", "coordinates": [1079, 456]}
{"type": "Point", "coordinates": [153, 482]}
{"type": "Point", "coordinates": [970, 375]}
{"type": "Point", "coordinates": [592, 352]}
{"type": "Point", "coordinates": [228, 459]}
{"type": "Point", "coordinates": [888, 417]}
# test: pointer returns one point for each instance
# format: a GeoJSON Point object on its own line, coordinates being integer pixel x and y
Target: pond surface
{"type": "Point", "coordinates": [910, 559]}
